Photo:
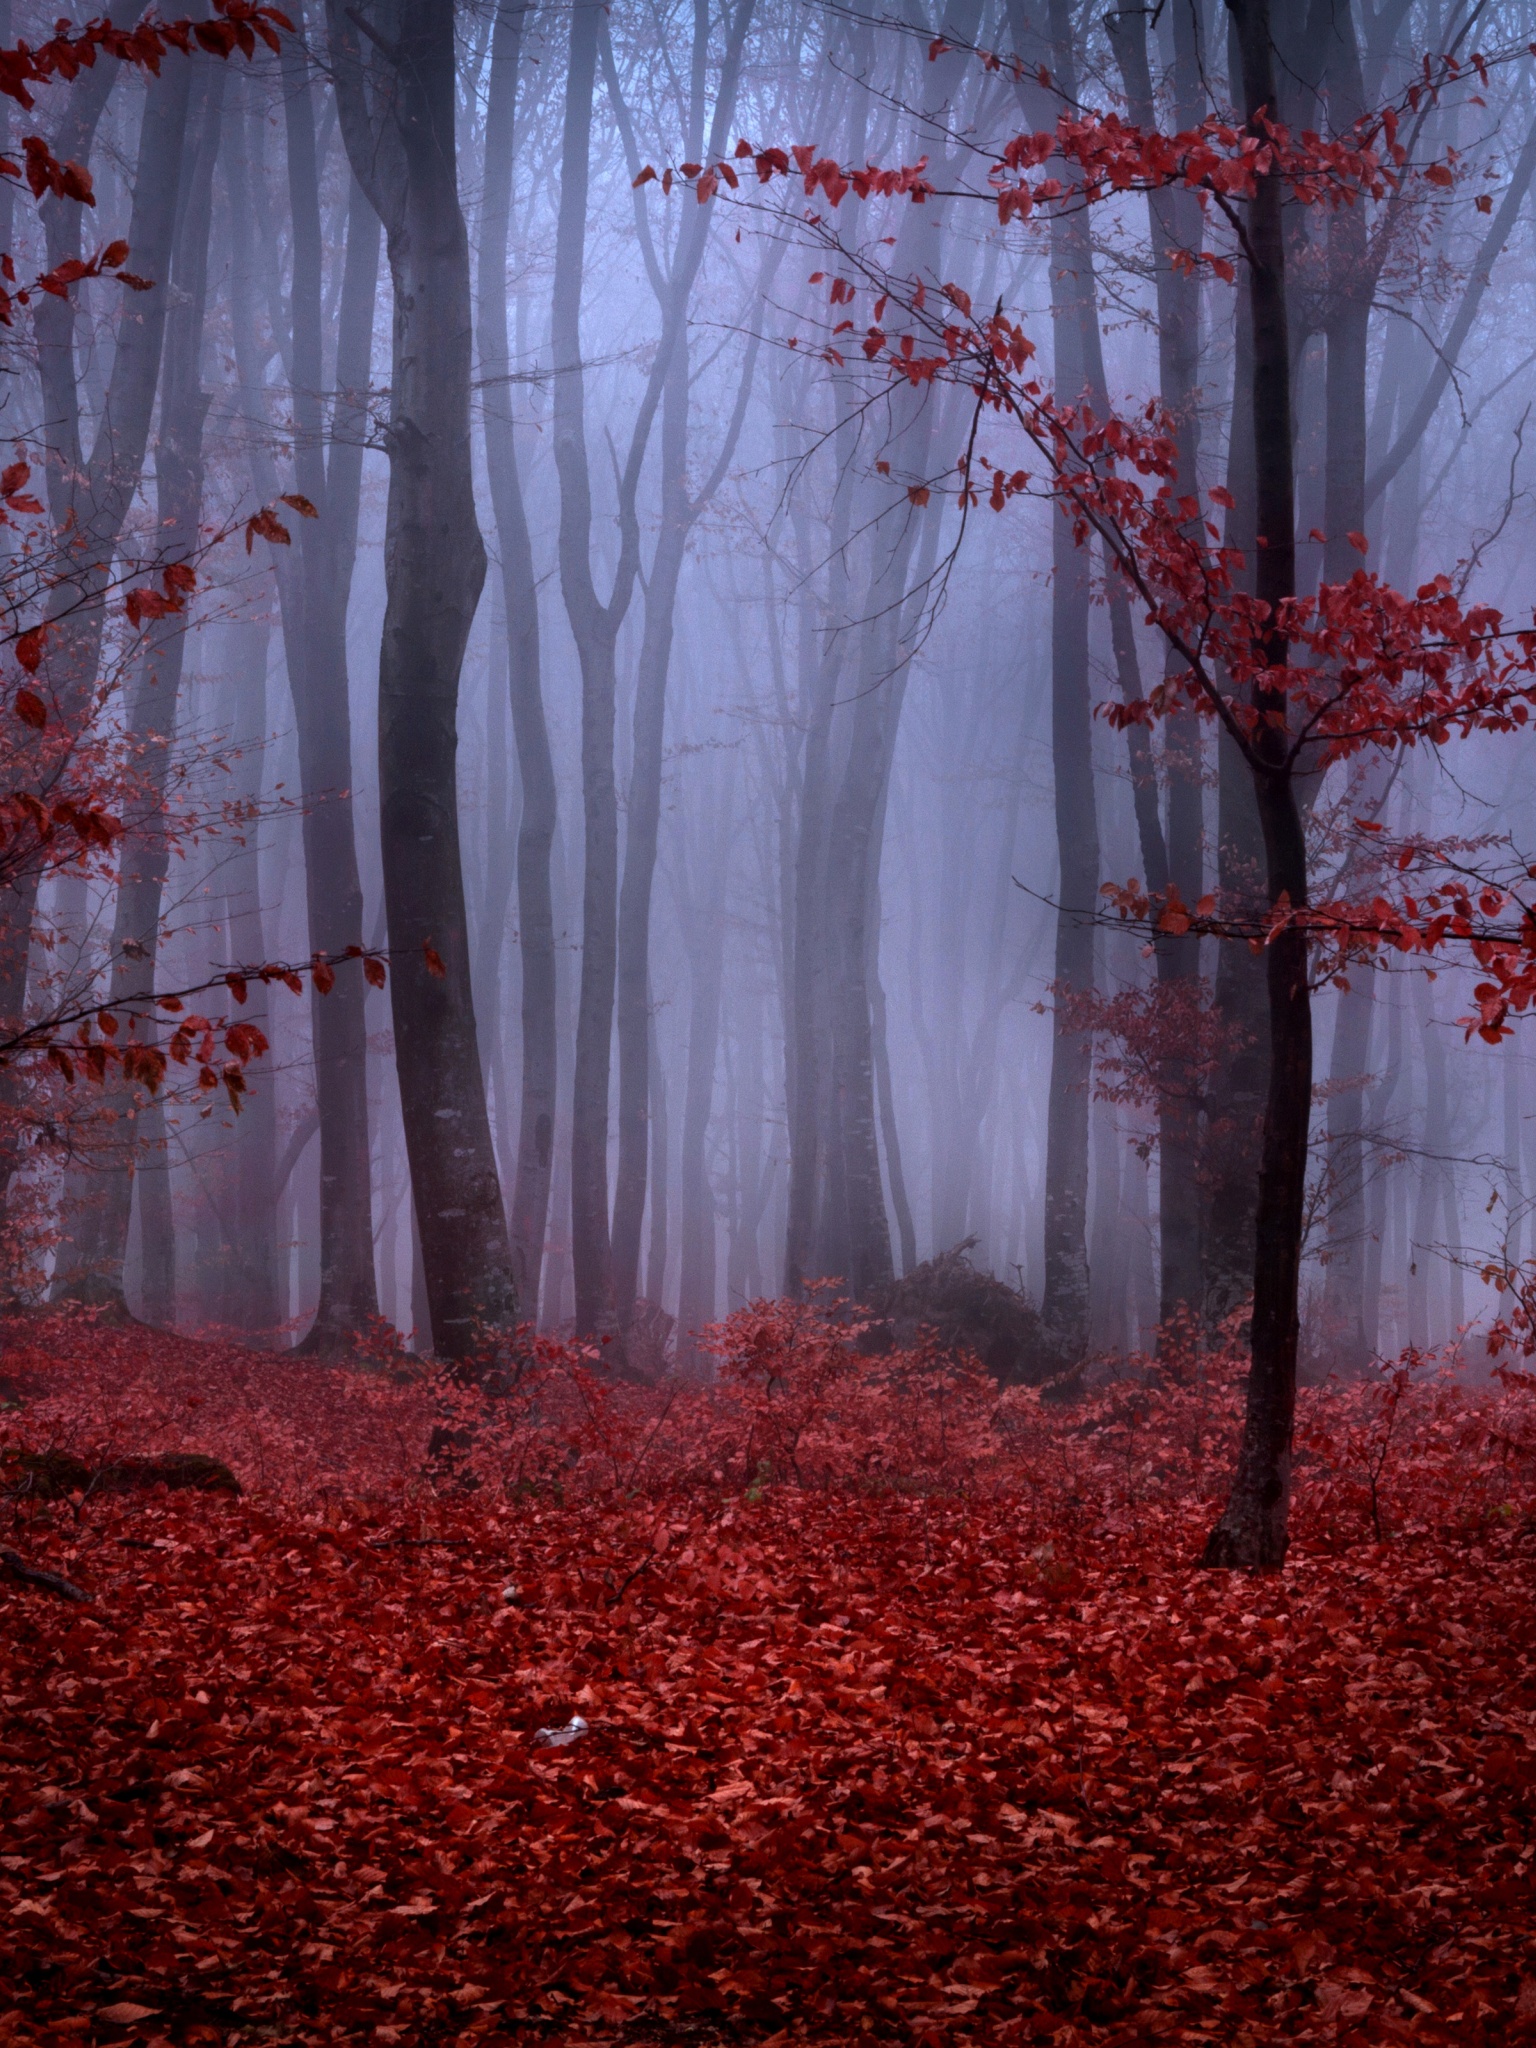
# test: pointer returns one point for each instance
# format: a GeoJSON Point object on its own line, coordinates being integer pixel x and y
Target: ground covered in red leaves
{"type": "Point", "coordinates": [961, 1753]}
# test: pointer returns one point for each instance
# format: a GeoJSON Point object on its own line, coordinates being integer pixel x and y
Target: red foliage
{"type": "Point", "coordinates": [943, 1745]}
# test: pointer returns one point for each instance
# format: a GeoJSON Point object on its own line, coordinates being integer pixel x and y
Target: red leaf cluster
{"type": "Point", "coordinates": [915, 1761]}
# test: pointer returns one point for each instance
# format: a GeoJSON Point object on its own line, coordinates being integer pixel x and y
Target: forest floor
{"type": "Point", "coordinates": [953, 1748]}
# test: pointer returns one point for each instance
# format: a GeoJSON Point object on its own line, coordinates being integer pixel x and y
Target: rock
{"type": "Point", "coordinates": [970, 1311]}
{"type": "Point", "coordinates": [51, 1475]}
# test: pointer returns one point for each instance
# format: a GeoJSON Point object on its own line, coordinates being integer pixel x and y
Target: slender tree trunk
{"type": "Point", "coordinates": [595, 628]}
{"type": "Point", "coordinates": [1177, 227]}
{"type": "Point", "coordinates": [642, 827]}
{"type": "Point", "coordinates": [89, 498]}
{"type": "Point", "coordinates": [245, 644]}
{"type": "Point", "coordinates": [678, 514]}
{"type": "Point", "coordinates": [889, 1131]}
{"type": "Point", "coordinates": [1238, 1085]}
{"type": "Point", "coordinates": [317, 670]}
{"type": "Point", "coordinates": [656, 1249]}
{"type": "Point", "coordinates": [520, 597]}
{"type": "Point", "coordinates": [1065, 1304]}
{"type": "Point", "coordinates": [696, 1303]}
{"type": "Point", "coordinates": [1350, 290]}
{"type": "Point", "coordinates": [157, 1224]}
{"type": "Point", "coordinates": [1254, 1527]}
{"type": "Point", "coordinates": [809, 1045]}
{"type": "Point", "coordinates": [102, 1245]}
{"type": "Point", "coordinates": [403, 154]}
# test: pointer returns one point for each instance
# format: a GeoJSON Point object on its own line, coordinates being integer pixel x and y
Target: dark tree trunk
{"type": "Point", "coordinates": [1254, 1527]}
{"type": "Point", "coordinates": [402, 150]}
{"type": "Point", "coordinates": [102, 1246]}
{"type": "Point", "coordinates": [315, 641]}
{"type": "Point", "coordinates": [536, 828]}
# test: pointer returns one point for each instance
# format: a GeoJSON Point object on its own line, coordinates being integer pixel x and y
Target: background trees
{"type": "Point", "coordinates": [777, 1012]}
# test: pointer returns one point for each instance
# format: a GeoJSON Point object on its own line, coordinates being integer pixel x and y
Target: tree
{"type": "Point", "coordinates": [1374, 668]}
{"type": "Point", "coordinates": [396, 112]}
{"type": "Point", "coordinates": [314, 611]}
{"type": "Point", "coordinates": [520, 603]}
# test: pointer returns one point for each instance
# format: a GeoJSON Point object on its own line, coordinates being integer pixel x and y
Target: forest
{"type": "Point", "coordinates": [767, 1227]}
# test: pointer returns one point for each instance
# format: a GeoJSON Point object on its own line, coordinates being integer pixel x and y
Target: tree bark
{"type": "Point", "coordinates": [400, 139]}
{"type": "Point", "coordinates": [1254, 1527]}
{"type": "Point", "coordinates": [520, 597]}
{"type": "Point", "coordinates": [679, 512]}
{"type": "Point", "coordinates": [696, 1303]}
{"type": "Point", "coordinates": [1066, 1299]}
{"type": "Point", "coordinates": [317, 670]}
{"type": "Point", "coordinates": [101, 1250]}
{"type": "Point", "coordinates": [1177, 225]}
{"type": "Point", "coordinates": [1239, 1081]}
{"type": "Point", "coordinates": [89, 497]}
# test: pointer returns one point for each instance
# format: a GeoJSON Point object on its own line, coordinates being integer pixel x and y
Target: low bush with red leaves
{"type": "Point", "coordinates": [907, 1717]}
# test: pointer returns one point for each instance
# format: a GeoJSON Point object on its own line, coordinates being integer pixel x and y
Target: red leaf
{"type": "Point", "coordinates": [31, 709]}
{"type": "Point", "coordinates": [267, 526]}
{"type": "Point", "coordinates": [434, 960]}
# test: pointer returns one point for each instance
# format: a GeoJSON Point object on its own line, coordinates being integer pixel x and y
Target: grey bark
{"type": "Point", "coordinates": [1177, 225]}
{"type": "Point", "coordinates": [315, 643]}
{"type": "Point", "coordinates": [102, 1225]}
{"type": "Point", "coordinates": [397, 120]}
{"type": "Point", "coordinates": [536, 827]}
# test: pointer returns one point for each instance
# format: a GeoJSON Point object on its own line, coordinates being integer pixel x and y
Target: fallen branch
{"type": "Point", "coordinates": [50, 1582]}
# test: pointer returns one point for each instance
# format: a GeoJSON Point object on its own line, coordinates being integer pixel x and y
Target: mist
{"type": "Point", "coordinates": [631, 666]}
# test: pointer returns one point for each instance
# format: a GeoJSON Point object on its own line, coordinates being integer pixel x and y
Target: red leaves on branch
{"type": "Point", "coordinates": [973, 1763]}
{"type": "Point", "coordinates": [237, 25]}
{"type": "Point", "coordinates": [45, 174]}
{"type": "Point", "coordinates": [179, 580]}
{"type": "Point", "coordinates": [266, 525]}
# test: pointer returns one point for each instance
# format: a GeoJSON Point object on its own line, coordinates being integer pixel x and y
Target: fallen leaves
{"type": "Point", "coordinates": [911, 1763]}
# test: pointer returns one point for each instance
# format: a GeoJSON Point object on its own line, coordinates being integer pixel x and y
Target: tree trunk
{"type": "Point", "coordinates": [317, 673]}
{"type": "Point", "coordinates": [642, 826]}
{"type": "Point", "coordinates": [520, 597]}
{"type": "Point", "coordinates": [89, 499]}
{"type": "Point", "coordinates": [696, 1303]}
{"type": "Point", "coordinates": [403, 154]}
{"type": "Point", "coordinates": [102, 1246]}
{"type": "Point", "coordinates": [1254, 1527]}
{"type": "Point", "coordinates": [1065, 1304]}
{"type": "Point", "coordinates": [1239, 1081]}
{"type": "Point", "coordinates": [245, 674]}
{"type": "Point", "coordinates": [808, 1047]}
{"type": "Point", "coordinates": [1177, 225]}
{"type": "Point", "coordinates": [595, 629]}
{"type": "Point", "coordinates": [678, 514]}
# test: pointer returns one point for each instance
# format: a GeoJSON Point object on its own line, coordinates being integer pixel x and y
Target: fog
{"type": "Point", "coordinates": [752, 937]}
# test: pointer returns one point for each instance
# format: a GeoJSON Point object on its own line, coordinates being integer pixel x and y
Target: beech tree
{"type": "Point", "coordinates": [396, 108]}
